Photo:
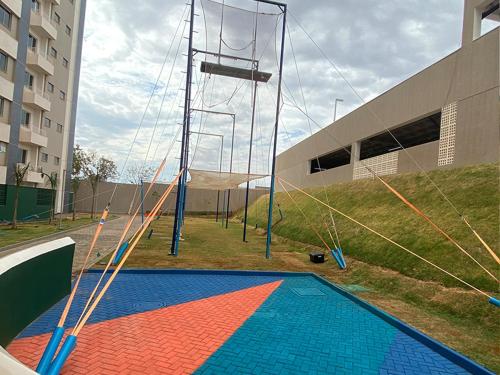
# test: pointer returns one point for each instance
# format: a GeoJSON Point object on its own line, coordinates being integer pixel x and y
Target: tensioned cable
{"type": "Point", "coordinates": [159, 170]}
{"type": "Point", "coordinates": [445, 197]}
{"type": "Point", "coordinates": [405, 200]}
{"type": "Point", "coordinates": [280, 180]}
{"type": "Point", "coordinates": [311, 131]}
{"type": "Point", "coordinates": [394, 191]}
{"type": "Point", "coordinates": [137, 237]}
{"type": "Point", "coordinates": [308, 221]}
{"type": "Point", "coordinates": [147, 105]}
{"type": "Point", "coordinates": [141, 169]}
{"type": "Point", "coordinates": [127, 228]}
{"type": "Point", "coordinates": [385, 183]}
{"type": "Point", "coordinates": [106, 210]}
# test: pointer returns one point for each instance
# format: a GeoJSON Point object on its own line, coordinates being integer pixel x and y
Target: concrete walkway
{"type": "Point", "coordinates": [83, 236]}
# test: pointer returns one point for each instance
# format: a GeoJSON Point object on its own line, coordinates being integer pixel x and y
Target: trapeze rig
{"type": "Point", "coordinates": [252, 74]}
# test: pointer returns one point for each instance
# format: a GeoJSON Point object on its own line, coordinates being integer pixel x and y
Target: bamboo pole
{"type": "Point", "coordinates": [106, 286]}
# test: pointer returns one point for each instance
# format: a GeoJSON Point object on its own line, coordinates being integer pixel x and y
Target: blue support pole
{"type": "Point", "coordinates": [181, 187]}
{"type": "Point", "coordinates": [273, 169]}
{"type": "Point", "coordinates": [142, 201]}
{"type": "Point", "coordinates": [62, 356]}
{"type": "Point", "coordinates": [50, 350]}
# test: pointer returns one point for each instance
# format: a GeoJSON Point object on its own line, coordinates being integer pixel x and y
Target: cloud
{"type": "Point", "coordinates": [374, 44]}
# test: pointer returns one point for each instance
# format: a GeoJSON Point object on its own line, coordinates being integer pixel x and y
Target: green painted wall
{"type": "Point", "coordinates": [31, 288]}
{"type": "Point", "coordinates": [29, 203]}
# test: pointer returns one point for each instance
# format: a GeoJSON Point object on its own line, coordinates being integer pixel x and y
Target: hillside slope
{"type": "Point", "coordinates": [474, 190]}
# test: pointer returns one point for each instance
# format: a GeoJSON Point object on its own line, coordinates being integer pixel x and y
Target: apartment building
{"type": "Point", "coordinates": [40, 53]}
{"type": "Point", "coordinates": [445, 116]}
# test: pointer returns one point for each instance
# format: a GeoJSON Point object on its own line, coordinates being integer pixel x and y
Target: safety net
{"type": "Point", "coordinates": [219, 180]}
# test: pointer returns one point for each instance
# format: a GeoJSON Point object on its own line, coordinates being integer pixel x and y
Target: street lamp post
{"type": "Point", "coordinates": [337, 100]}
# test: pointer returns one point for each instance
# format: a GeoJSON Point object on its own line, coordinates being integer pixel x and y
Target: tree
{"type": "Point", "coordinates": [98, 169]}
{"type": "Point", "coordinates": [53, 186]}
{"type": "Point", "coordinates": [19, 174]}
{"type": "Point", "coordinates": [81, 160]}
{"type": "Point", "coordinates": [136, 174]}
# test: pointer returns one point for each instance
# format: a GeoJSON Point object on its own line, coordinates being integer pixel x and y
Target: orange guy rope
{"type": "Point", "coordinates": [382, 236]}
{"type": "Point", "coordinates": [92, 245]}
{"type": "Point", "coordinates": [94, 304]}
{"type": "Point", "coordinates": [307, 221]}
{"type": "Point", "coordinates": [437, 228]}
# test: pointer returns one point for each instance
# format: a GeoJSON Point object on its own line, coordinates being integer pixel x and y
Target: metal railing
{"type": "Point", "coordinates": [31, 168]}
{"type": "Point", "coordinates": [35, 129]}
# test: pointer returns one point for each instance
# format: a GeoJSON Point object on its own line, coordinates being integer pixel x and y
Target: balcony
{"type": "Point", "coordinates": [8, 44]}
{"type": "Point", "coordinates": [43, 25]}
{"type": "Point", "coordinates": [6, 89]}
{"type": "Point", "coordinates": [36, 99]}
{"type": "Point", "coordinates": [34, 174]}
{"type": "Point", "coordinates": [39, 62]}
{"type": "Point", "coordinates": [4, 132]}
{"type": "Point", "coordinates": [33, 135]}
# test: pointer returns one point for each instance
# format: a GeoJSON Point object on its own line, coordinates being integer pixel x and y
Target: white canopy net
{"type": "Point", "coordinates": [219, 180]}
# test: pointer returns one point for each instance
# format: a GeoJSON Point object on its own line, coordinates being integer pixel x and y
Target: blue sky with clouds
{"type": "Point", "coordinates": [376, 44]}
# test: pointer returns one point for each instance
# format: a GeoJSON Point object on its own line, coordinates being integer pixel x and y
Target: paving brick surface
{"type": "Point", "coordinates": [321, 333]}
{"type": "Point", "coordinates": [231, 324]}
{"type": "Point", "coordinates": [132, 293]}
{"type": "Point", "coordinates": [173, 340]}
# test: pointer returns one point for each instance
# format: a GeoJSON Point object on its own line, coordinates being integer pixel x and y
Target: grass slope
{"type": "Point", "coordinates": [474, 190]}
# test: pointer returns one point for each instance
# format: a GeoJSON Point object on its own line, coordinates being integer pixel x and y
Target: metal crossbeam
{"type": "Point", "coordinates": [231, 71]}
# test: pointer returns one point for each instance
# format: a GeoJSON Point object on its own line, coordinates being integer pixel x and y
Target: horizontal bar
{"type": "Point", "coordinates": [212, 134]}
{"type": "Point", "coordinates": [214, 112]}
{"type": "Point", "coordinates": [272, 3]}
{"type": "Point", "coordinates": [229, 71]}
{"type": "Point", "coordinates": [225, 56]}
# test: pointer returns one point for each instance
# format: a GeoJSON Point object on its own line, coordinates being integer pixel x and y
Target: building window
{"type": "Point", "coordinates": [53, 52]}
{"type": "Point", "coordinates": [47, 122]}
{"type": "Point", "coordinates": [35, 6]}
{"type": "Point", "coordinates": [3, 147]}
{"type": "Point", "coordinates": [4, 60]}
{"type": "Point", "coordinates": [68, 30]}
{"type": "Point", "coordinates": [416, 133]}
{"type": "Point", "coordinates": [5, 17]}
{"type": "Point", "coordinates": [57, 18]}
{"type": "Point", "coordinates": [331, 160]}
{"type": "Point", "coordinates": [28, 80]}
{"type": "Point", "coordinates": [50, 87]}
{"type": "Point", "coordinates": [2, 105]}
{"type": "Point", "coordinates": [62, 95]}
{"type": "Point", "coordinates": [44, 157]}
{"type": "Point", "coordinates": [26, 117]}
{"type": "Point", "coordinates": [24, 156]}
{"type": "Point", "coordinates": [57, 160]}
{"type": "Point", "coordinates": [59, 128]}
{"type": "Point", "coordinates": [31, 42]}
{"type": "Point", "coordinates": [65, 62]}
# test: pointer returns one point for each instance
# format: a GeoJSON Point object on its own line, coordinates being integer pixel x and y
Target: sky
{"type": "Point", "coordinates": [134, 61]}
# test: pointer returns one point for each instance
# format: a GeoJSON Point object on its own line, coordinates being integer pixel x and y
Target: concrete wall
{"type": "Point", "coordinates": [198, 200]}
{"type": "Point", "coordinates": [32, 280]}
{"type": "Point", "coordinates": [469, 76]}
